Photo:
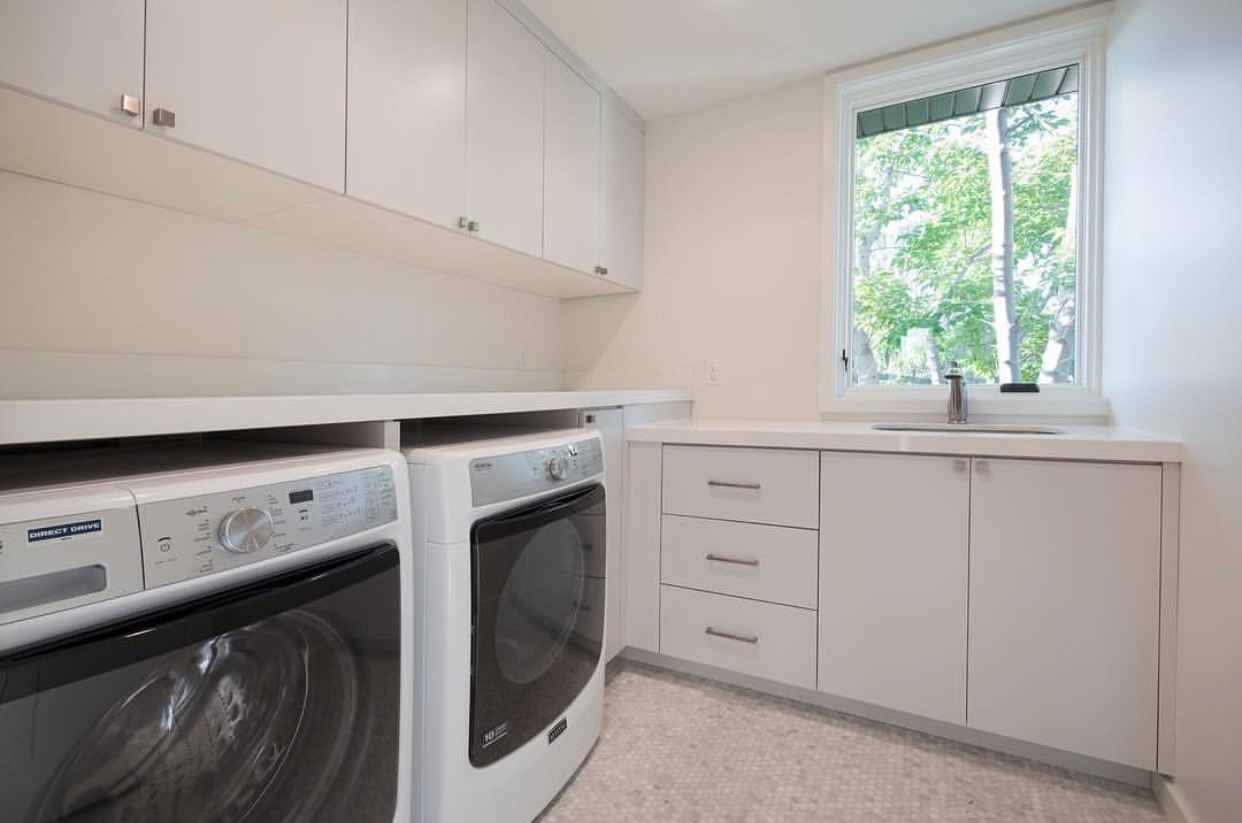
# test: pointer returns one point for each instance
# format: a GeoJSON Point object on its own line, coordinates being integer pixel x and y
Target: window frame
{"type": "Point", "coordinates": [1074, 37]}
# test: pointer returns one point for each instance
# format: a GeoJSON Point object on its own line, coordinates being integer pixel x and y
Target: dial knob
{"type": "Point", "coordinates": [246, 530]}
{"type": "Point", "coordinates": [557, 466]}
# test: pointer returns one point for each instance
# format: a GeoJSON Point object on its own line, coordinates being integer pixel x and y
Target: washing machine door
{"type": "Point", "coordinates": [275, 702]}
{"type": "Point", "coordinates": [538, 617]}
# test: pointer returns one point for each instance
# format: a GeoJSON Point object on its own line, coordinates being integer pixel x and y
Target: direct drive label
{"type": "Point", "coordinates": [64, 531]}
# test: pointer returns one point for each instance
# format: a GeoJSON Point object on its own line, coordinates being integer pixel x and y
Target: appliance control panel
{"type": "Point", "coordinates": [510, 476]}
{"type": "Point", "coordinates": [192, 536]}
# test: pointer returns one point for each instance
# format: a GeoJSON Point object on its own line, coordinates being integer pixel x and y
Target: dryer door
{"type": "Point", "coordinates": [538, 617]}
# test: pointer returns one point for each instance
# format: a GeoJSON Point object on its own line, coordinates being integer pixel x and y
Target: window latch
{"type": "Point", "coordinates": [845, 360]}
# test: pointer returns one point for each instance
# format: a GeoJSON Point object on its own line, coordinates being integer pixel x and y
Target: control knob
{"type": "Point", "coordinates": [557, 467]}
{"type": "Point", "coordinates": [246, 530]}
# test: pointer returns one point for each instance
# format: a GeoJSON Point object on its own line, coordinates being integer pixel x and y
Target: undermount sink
{"type": "Point", "coordinates": [966, 428]}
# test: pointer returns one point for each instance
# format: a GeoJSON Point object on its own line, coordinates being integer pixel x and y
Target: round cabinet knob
{"type": "Point", "coordinates": [246, 530]}
{"type": "Point", "coordinates": [557, 467]}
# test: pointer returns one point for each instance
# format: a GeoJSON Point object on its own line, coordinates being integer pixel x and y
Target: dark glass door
{"type": "Point", "coordinates": [275, 702]}
{"type": "Point", "coordinates": [538, 617]}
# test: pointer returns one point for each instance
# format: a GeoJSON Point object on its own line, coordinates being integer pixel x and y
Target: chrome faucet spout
{"type": "Point", "coordinates": [957, 393]}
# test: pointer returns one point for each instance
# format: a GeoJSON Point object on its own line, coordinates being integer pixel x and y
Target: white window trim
{"type": "Point", "coordinates": [1077, 36]}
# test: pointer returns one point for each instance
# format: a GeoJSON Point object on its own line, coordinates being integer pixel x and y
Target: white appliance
{"type": "Point", "coordinates": [222, 642]}
{"type": "Point", "coordinates": [510, 547]}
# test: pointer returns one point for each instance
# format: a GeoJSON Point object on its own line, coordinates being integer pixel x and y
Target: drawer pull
{"type": "Point", "coordinates": [738, 561]}
{"type": "Point", "coordinates": [729, 484]}
{"type": "Point", "coordinates": [752, 639]}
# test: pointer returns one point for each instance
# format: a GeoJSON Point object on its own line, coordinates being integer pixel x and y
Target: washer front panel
{"type": "Point", "coordinates": [180, 537]}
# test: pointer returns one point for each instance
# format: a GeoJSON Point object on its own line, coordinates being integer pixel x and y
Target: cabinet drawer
{"type": "Point", "coordinates": [770, 563]}
{"type": "Point", "coordinates": [759, 639]}
{"type": "Point", "coordinates": [775, 486]}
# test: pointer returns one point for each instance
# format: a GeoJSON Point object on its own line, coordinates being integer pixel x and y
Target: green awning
{"type": "Point", "coordinates": [1015, 91]}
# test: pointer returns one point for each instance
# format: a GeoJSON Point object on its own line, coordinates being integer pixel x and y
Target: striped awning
{"type": "Point", "coordinates": [1015, 91]}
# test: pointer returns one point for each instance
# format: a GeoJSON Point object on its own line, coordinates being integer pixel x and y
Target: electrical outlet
{"type": "Point", "coordinates": [713, 374]}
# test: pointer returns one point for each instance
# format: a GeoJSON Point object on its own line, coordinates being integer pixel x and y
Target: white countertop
{"type": "Point", "coordinates": [40, 421]}
{"type": "Point", "coordinates": [1077, 442]}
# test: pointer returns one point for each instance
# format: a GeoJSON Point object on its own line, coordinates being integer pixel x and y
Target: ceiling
{"type": "Point", "coordinates": [666, 56]}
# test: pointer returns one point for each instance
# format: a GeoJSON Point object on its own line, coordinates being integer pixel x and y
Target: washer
{"type": "Point", "coordinates": [221, 643]}
{"type": "Point", "coordinates": [510, 540]}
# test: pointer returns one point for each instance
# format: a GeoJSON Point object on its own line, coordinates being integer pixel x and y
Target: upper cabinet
{"type": "Point", "coordinates": [84, 53]}
{"type": "Point", "coordinates": [624, 193]}
{"type": "Point", "coordinates": [571, 192]}
{"type": "Point", "coordinates": [504, 129]}
{"type": "Point", "coordinates": [407, 107]}
{"type": "Point", "coordinates": [462, 125]}
{"type": "Point", "coordinates": [259, 82]}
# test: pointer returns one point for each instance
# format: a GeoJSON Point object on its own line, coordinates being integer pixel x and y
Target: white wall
{"type": "Point", "coordinates": [734, 197]}
{"type": "Point", "coordinates": [101, 296]}
{"type": "Point", "coordinates": [1173, 296]}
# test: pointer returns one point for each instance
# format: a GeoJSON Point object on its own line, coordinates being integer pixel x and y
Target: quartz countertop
{"type": "Point", "coordinates": [41, 421]}
{"type": "Point", "coordinates": [1104, 443]}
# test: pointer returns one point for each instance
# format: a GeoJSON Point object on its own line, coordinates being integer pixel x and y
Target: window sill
{"type": "Point", "coordinates": [985, 403]}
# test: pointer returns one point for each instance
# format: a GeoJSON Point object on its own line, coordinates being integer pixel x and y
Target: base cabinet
{"type": "Point", "coordinates": [748, 636]}
{"type": "Point", "coordinates": [610, 423]}
{"type": "Point", "coordinates": [1064, 605]}
{"type": "Point", "coordinates": [1016, 597]}
{"type": "Point", "coordinates": [893, 570]}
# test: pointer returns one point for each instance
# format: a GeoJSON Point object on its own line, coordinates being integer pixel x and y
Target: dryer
{"type": "Point", "coordinates": [510, 535]}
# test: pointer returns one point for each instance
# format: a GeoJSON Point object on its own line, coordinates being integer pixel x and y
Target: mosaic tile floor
{"type": "Point", "coordinates": [679, 749]}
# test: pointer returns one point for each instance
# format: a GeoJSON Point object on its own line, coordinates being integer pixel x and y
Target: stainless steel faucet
{"type": "Point", "coordinates": [957, 393]}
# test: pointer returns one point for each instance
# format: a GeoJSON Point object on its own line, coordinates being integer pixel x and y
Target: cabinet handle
{"type": "Point", "coordinates": [463, 223]}
{"type": "Point", "coordinates": [959, 466]}
{"type": "Point", "coordinates": [729, 484]}
{"type": "Point", "coordinates": [738, 561]}
{"type": "Point", "coordinates": [131, 105]}
{"type": "Point", "coordinates": [473, 225]}
{"type": "Point", "coordinates": [602, 271]}
{"type": "Point", "coordinates": [982, 466]}
{"type": "Point", "coordinates": [752, 639]}
{"type": "Point", "coordinates": [164, 117]}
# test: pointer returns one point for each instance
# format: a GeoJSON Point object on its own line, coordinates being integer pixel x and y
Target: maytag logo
{"type": "Point", "coordinates": [557, 730]}
{"type": "Point", "coordinates": [64, 531]}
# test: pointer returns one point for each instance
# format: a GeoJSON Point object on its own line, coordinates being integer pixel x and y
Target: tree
{"type": "Point", "coordinates": [1004, 304]}
{"type": "Point", "coordinates": [964, 240]}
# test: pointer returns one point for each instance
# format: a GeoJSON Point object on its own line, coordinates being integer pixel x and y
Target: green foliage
{"type": "Point", "coordinates": [923, 284]}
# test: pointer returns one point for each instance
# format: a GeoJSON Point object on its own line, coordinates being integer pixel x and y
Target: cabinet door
{"type": "Point", "coordinates": [1064, 605]}
{"type": "Point", "coordinates": [262, 82]}
{"type": "Point", "coordinates": [623, 201]}
{"type": "Point", "coordinates": [893, 575]}
{"type": "Point", "coordinates": [611, 425]}
{"type": "Point", "coordinates": [504, 129]}
{"type": "Point", "coordinates": [407, 106]}
{"type": "Point", "coordinates": [81, 52]}
{"type": "Point", "coordinates": [571, 192]}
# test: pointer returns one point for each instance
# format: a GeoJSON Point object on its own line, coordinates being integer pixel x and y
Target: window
{"type": "Point", "coordinates": [966, 208]}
